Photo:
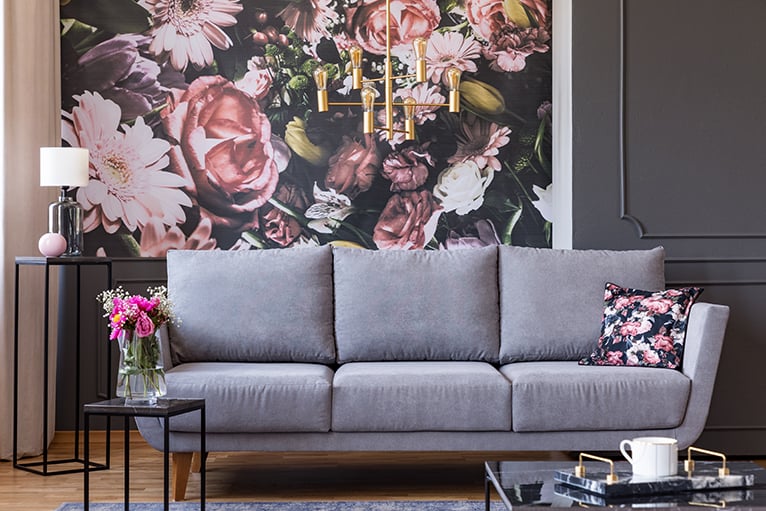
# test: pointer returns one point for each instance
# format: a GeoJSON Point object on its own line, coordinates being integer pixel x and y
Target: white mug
{"type": "Point", "coordinates": [652, 456]}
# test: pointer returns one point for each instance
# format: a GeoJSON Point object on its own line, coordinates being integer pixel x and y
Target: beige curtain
{"type": "Point", "coordinates": [30, 92]}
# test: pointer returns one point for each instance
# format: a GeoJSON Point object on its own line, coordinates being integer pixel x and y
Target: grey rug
{"type": "Point", "coordinates": [389, 505]}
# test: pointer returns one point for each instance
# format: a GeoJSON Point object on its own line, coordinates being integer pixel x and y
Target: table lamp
{"type": "Point", "coordinates": [65, 167]}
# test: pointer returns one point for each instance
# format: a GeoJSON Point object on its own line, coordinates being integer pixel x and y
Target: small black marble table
{"type": "Point", "coordinates": [164, 409]}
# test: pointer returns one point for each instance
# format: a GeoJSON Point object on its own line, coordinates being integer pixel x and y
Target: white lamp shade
{"type": "Point", "coordinates": [63, 166]}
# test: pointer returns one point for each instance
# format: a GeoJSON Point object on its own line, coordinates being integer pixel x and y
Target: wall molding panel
{"type": "Point", "coordinates": [641, 226]}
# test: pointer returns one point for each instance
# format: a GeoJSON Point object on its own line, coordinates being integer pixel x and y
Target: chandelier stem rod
{"type": "Point", "coordinates": [389, 73]}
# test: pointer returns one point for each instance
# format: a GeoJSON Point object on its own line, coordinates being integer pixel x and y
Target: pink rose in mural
{"type": "Point", "coordinates": [276, 224]}
{"type": "Point", "coordinates": [353, 167]}
{"type": "Point", "coordinates": [407, 169]}
{"type": "Point", "coordinates": [128, 185]}
{"type": "Point", "coordinates": [223, 147]}
{"type": "Point", "coordinates": [510, 47]}
{"type": "Point", "coordinates": [366, 22]}
{"type": "Point", "coordinates": [407, 222]}
{"type": "Point", "coordinates": [508, 27]}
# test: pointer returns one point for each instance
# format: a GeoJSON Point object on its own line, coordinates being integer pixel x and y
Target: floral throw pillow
{"type": "Point", "coordinates": [643, 328]}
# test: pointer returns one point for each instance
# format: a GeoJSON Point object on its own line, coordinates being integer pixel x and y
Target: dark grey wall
{"type": "Point", "coordinates": [690, 176]}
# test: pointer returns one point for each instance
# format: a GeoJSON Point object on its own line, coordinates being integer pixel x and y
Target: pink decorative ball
{"type": "Point", "coordinates": [52, 244]}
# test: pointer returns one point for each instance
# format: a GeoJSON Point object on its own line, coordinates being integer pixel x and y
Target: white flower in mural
{"type": "Point", "coordinates": [329, 209]}
{"type": "Point", "coordinates": [545, 202]}
{"type": "Point", "coordinates": [460, 188]}
{"type": "Point", "coordinates": [186, 29]}
{"type": "Point", "coordinates": [127, 184]}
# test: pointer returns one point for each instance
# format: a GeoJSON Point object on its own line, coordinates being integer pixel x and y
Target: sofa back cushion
{"type": "Point", "coordinates": [252, 306]}
{"type": "Point", "coordinates": [552, 301]}
{"type": "Point", "coordinates": [416, 305]}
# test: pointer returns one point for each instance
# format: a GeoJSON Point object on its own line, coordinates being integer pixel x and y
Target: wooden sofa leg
{"type": "Point", "coordinates": [196, 464]}
{"type": "Point", "coordinates": [182, 462]}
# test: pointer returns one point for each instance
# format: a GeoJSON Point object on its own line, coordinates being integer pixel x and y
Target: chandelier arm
{"type": "Point", "coordinates": [395, 103]}
{"type": "Point", "coordinates": [397, 77]}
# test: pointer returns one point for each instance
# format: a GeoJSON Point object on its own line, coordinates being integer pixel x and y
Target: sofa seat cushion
{"type": "Point", "coordinates": [416, 305]}
{"type": "Point", "coordinates": [420, 396]}
{"type": "Point", "coordinates": [254, 397]}
{"type": "Point", "coordinates": [539, 284]}
{"type": "Point", "coordinates": [252, 305]}
{"type": "Point", "coordinates": [565, 396]}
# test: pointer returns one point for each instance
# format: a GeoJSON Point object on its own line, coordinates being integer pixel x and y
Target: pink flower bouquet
{"type": "Point", "coordinates": [128, 312]}
{"type": "Point", "coordinates": [134, 320]}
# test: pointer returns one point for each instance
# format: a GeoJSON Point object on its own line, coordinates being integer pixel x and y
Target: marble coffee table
{"type": "Point", "coordinates": [531, 484]}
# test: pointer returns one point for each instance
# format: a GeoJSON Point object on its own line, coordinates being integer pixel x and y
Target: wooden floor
{"type": "Point", "coordinates": [260, 476]}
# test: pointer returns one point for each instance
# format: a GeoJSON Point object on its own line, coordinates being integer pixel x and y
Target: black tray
{"type": "Point", "coordinates": [704, 478]}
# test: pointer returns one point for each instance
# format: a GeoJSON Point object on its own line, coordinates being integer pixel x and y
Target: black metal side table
{"type": "Point", "coordinates": [48, 262]}
{"type": "Point", "coordinates": [164, 408]}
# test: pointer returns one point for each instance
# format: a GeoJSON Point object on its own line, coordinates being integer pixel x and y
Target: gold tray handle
{"type": "Point", "coordinates": [580, 469]}
{"type": "Point", "coordinates": [689, 462]}
{"type": "Point", "coordinates": [721, 504]}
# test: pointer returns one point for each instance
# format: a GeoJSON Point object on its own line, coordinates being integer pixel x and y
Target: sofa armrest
{"type": "Point", "coordinates": [702, 351]}
{"type": "Point", "coordinates": [164, 336]}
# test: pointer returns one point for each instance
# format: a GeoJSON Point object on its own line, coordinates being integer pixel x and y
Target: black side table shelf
{"type": "Point", "coordinates": [48, 262]}
{"type": "Point", "coordinates": [164, 409]}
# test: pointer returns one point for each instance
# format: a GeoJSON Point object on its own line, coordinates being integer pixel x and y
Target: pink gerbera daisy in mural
{"type": "Point", "coordinates": [310, 19]}
{"type": "Point", "coordinates": [451, 49]}
{"type": "Point", "coordinates": [127, 183]}
{"type": "Point", "coordinates": [157, 238]}
{"type": "Point", "coordinates": [424, 94]}
{"type": "Point", "coordinates": [480, 141]}
{"type": "Point", "coordinates": [186, 29]}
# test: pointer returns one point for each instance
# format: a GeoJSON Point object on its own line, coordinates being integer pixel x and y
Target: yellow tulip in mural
{"type": "Point", "coordinates": [204, 132]}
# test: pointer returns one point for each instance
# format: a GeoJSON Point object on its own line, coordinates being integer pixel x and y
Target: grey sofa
{"type": "Point", "coordinates": [322, 349]}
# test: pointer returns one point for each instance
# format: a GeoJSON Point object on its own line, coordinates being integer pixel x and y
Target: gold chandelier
{"type": "Point", "coordinates": [369, 92]}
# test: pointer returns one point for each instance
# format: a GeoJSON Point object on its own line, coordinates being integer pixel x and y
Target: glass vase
{"type": "Point", "coordinates": [141, 373]}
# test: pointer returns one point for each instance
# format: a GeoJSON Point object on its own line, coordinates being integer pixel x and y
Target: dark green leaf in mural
{"type": "Point", "coordinates": [512, 221]}
{"type": "Point", "coordinates": [117, 16]}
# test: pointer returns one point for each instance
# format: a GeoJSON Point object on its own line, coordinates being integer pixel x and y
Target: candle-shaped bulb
{"type": "Point", "coordinates": [409, 117]}
{"type": "Point", "coordinates": [355, 54]}
{"type": "Point", "coordinates": [320, 77]}
{"type": "Point", "coordinates": [453, 82]}
{"type": "Point", "coordinates": [368, 108]}
{"type": "Point", "coordinates": [420, 44]}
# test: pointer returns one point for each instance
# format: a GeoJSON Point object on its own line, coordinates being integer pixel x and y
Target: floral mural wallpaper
{"type": "Point", "coordinates": [203, 130]}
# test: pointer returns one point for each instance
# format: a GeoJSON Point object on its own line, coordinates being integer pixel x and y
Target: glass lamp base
{"type": "Point", "coordinates": [65, 217]}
